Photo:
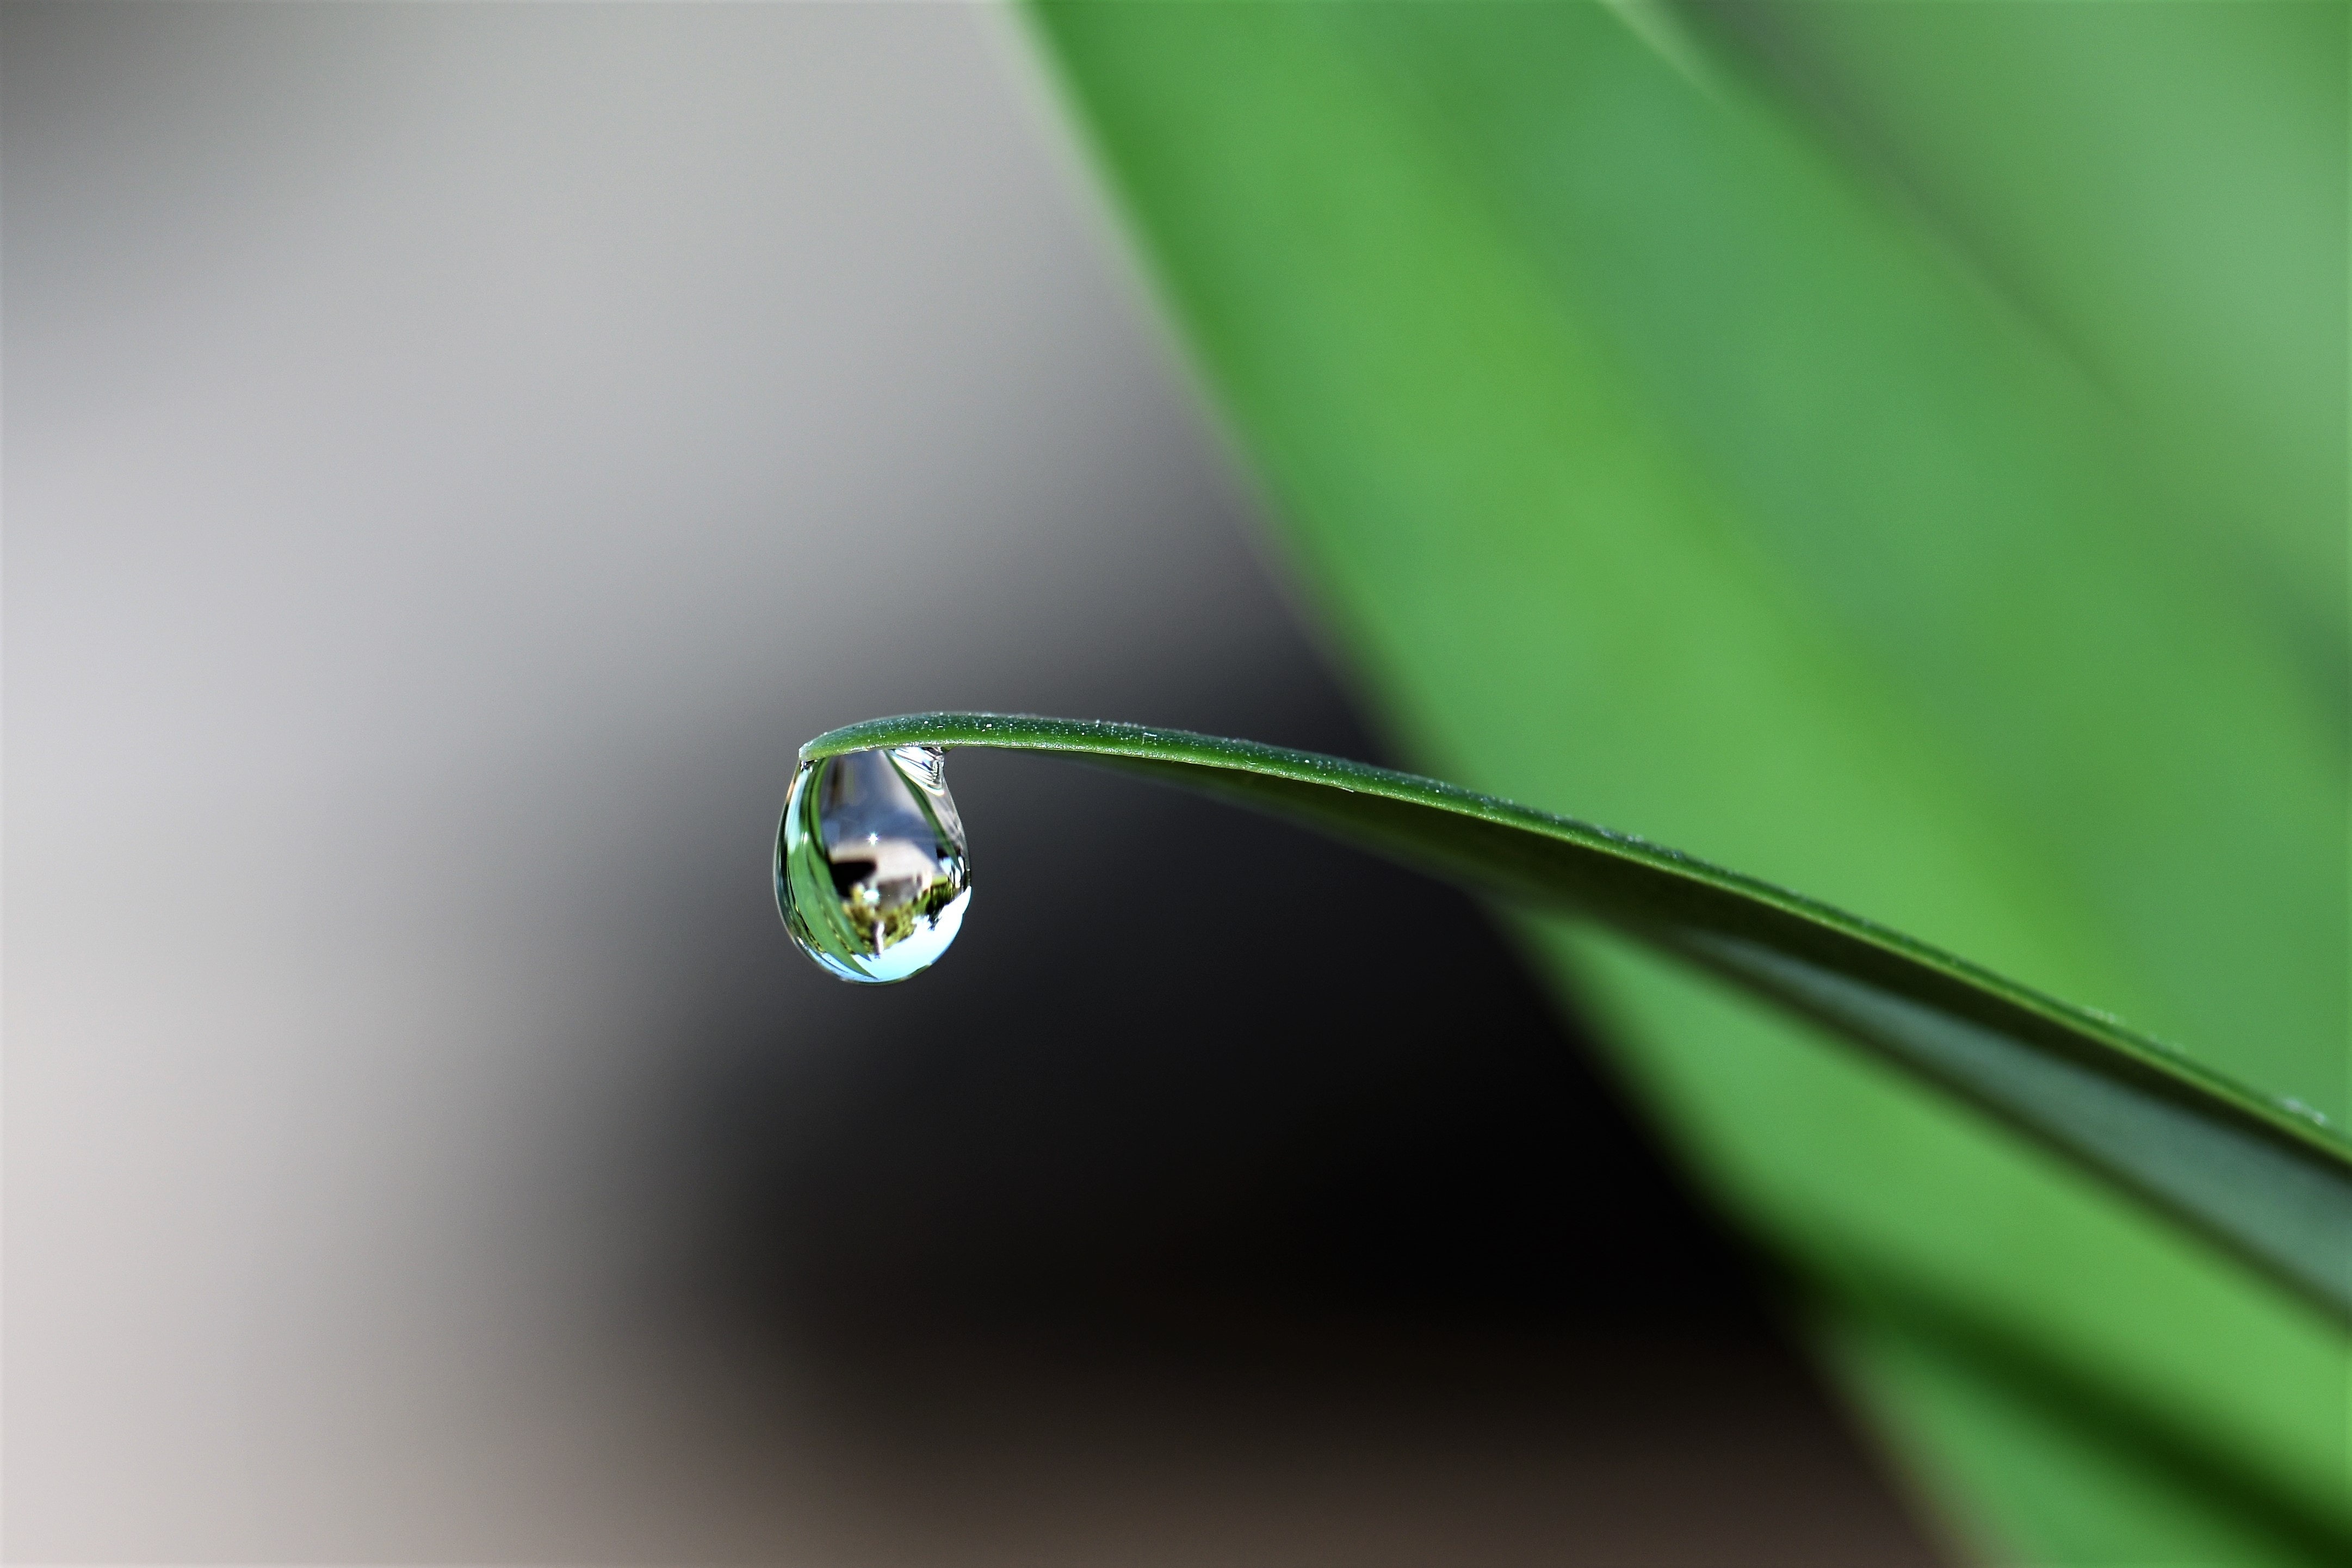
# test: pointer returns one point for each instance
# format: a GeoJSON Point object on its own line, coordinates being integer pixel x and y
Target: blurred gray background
{"type": "Point", "coordinates": [453, 455]}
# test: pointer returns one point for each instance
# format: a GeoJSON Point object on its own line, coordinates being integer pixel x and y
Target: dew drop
{"type": "Point", "coordinates": [872, 877]}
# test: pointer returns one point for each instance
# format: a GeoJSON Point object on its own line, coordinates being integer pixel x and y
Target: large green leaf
{"type": "Point", "coordinates": [2269, 1182]}
{"type": "Point", "coordinates": [2164, 191]}
{"type": "Point", "coordinates": [1658, 469]}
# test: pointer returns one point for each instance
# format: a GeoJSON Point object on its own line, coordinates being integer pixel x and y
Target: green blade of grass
{"type": "Point", "coordinates": [2266, 1178]}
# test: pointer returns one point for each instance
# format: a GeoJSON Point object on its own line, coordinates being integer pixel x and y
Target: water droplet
{"type": "Point", "coordinates": [872, 876]}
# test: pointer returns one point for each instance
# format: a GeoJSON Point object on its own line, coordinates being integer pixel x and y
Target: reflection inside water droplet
{"type": "Point", "coordinates": [871, 873]}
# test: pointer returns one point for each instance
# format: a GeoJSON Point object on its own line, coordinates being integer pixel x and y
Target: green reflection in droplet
{"type": "Point", "coordinates": [872, 876]}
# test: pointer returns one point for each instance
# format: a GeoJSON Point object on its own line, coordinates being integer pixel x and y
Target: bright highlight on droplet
{"type": "Point", "coordinates": [872, 876]}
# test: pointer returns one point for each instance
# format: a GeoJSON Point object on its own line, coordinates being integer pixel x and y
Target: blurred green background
{"type": "Point", "coordinates": [1898, 450]}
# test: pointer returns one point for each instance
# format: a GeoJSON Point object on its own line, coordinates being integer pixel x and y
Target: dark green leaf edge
{"type": "Point", "coordinates": [2268, 1179]}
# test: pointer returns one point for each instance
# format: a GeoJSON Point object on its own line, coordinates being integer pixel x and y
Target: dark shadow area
{"type": "Point", "coordinates": [1215, 1145]}
{"type": "Point", "coordinates": [1189, 1065]}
